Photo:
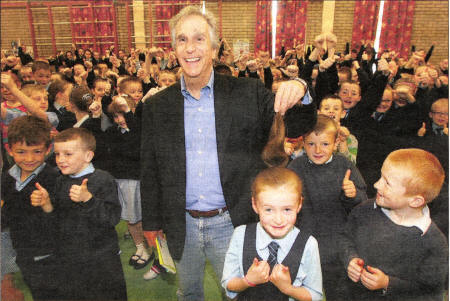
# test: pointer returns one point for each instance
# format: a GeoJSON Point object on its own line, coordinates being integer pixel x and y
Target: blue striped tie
{"type": "Point", "coordinates": [273, 251]}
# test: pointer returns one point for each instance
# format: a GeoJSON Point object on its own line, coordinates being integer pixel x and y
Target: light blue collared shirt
{"type": "Point", "coordinates": [16, 173]}
{"type": "Point", "coordinates": [309, 274]}
{"type": "Point", "coordinates": [203, 186]}
{"type": "Point", "coordinates": [89, 169]}
{"type": "Point", "coordinates": [307, 99]}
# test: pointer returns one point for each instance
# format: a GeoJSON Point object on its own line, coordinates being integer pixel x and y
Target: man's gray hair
{"type": "Point", "coordinates": [195, 11]}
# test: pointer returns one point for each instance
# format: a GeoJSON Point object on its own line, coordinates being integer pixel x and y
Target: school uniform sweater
{"type": "Point", "coordinates": [66, 118]}
{"type": "Point", "coordinates": [87, 230]}
{"type": "Point", "coordinates": [416, 262]}
{"type": "Point", "coordinates": [101, 159]}
{"type": "Point", "coordinates": [124, 148]}
{"type": "Point", "coordinates": [325, 206]}
{"type": "Point", "coordinates": [32, 230]}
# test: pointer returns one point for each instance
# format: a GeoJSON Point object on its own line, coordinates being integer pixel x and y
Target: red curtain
{"type": "Point", "coordinates": [164, 11]}
{"type": "Point", "coordinates": [397, 26]}
{"type": "Point", "coordinates": [104, 29]}
{"type": "Point", "coordinates": [99, 35]}
{"type": "Point", "coordinates": [263, 30]}
{"type": "Point", "coordinates": [365, 21]}
{"type": "Point", "coordinates": [291, 23]}
{"type": "Point", "coordinates": [82, 28]}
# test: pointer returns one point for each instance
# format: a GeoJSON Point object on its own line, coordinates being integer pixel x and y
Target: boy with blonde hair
{"type": "Point", "coordinates": [392, 249]}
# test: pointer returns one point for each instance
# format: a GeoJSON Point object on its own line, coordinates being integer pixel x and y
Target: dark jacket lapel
{"type": "Point", "coordinates": [222, 108]}
{"type": "Point", "coordinates": [173, 125]}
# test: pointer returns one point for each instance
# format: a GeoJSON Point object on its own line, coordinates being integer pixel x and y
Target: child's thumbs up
{"type": "Point", "coordinates": [41, 191]}
{"type": "Point", "coordinates": [421, 132]}
{"type": "Point", "coordinates": [40, 198]}
{"type": "Point", "coordinates": [39, 187]}
{"type": "Point", "coordinates": [348, 186]}
{"type": "Point", "coordinates": [347, 175]}
{"type": "Point", "coordinates": [80, 193]}
{"type": "Point", "coordinates": [84, 183]}
{"type": "Point", "coordinates": [445, 130]}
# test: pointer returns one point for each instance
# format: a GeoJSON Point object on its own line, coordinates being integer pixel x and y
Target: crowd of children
{"type": "Point", "coordinates": [71, 134]}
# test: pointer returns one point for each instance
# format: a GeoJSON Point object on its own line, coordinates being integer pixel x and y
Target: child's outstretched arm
{"type": "Point", "coordinates": [281, 278]}
{"type": "Point", "coordinates": [40, 198]}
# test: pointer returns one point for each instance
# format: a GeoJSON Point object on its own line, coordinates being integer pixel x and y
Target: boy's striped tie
{"type": "Point", "coordinates": [273, 251]}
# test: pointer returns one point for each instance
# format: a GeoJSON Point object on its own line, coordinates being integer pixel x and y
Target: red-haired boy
{"type": "Point", "coordinates": [393, 250]}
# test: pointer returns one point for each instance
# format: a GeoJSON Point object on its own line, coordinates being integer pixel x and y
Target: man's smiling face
{"type": "Point", "coordinates": [193, 48]}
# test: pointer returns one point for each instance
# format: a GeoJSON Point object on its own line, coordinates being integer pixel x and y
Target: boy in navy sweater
{"type": "Point", "coordinates": [27, 210]}
{"type": "Point", "coordinates": [392, 249]}
{"type": "Point", "coordinates": [332, 187]}
{"type": "Point", "coordinates": [87, 215]}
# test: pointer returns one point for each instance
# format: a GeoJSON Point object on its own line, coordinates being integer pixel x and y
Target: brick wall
{"type": "Point", "coordinates": [343, 23]}
{"type": "Point", "coordinates": [430, 24]}
{"type": "Point", "coordinates": [122, 29]}
{"type": "Point", "coordinates": [238, 21]}
{"type": "Point", "coordinates": [63, 34]}
{"type": "Point", "coordinates": [14, 25]}
{"type": "Point", "coordinates": [314, 20]}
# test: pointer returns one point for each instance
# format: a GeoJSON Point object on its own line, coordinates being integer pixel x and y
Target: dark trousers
{"type": "Point", "coordinates": [98, 280]}
{"type": "Point", "coordinates": [41, 277]}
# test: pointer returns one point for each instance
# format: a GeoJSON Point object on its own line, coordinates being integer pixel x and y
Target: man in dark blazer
{"type": "Point", "coordinates": [202, 140]}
